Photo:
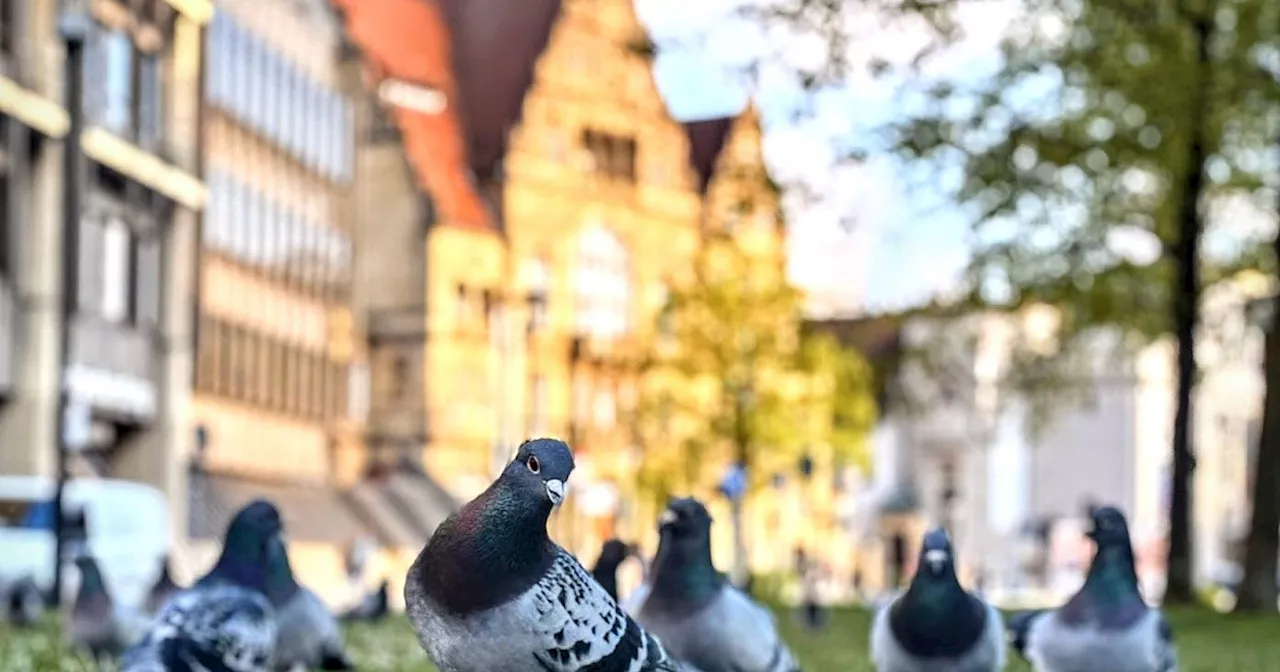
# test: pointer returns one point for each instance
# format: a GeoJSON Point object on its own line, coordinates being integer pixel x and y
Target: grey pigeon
{"type": "Point", "coordinates": [605, 572]}
{"type": "Point", "coordinates": [374, 607]}
{"type": "Point", "coordinates": [1106, 625]}
{"type": "Point", "coordinates": [491, 592]}
{"type": "Point", "coordinates": [163, 589]}
{"type": "Point", "coordinates": [701, 618]}
{"type": "Point", "coordinates": [309, 636]}
{"type": "Point", "coordinates": [98, 625]}
{"type": "Point", "coordinates": [223, 623]}
{"type": "Point", "coordinates": [936, 626]}
{"type": "Point", "coordinates": [24, 604]}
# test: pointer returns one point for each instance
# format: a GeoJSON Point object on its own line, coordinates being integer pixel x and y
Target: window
{"type": "Point", "coordinates": [113, 107]}
{"type": "Point", "coordinates": [611, 155]}
{"type": "Point", "coordinates": [9, 28]}
{"type": "Point", "coordinates": [538, 406]}
{"type": "Point", "coordinates": [257, 54]}
{"type": "Point", "coordinates": [539, 289]}
{"type": "Point", "coordinates": [116, 270]}
{"type": "Point", "coordinates": [602, 284]}
{"type": "Point", "coordinates": [151, 111]}
{"type": "Point", "coordinates": [147, 280]}
{"type": "Point", "coordinates": [604, 409]}
{"type": "Point", "coordinates": [207, 350]}
{"type": "Point", "coordinates": [399, 376]}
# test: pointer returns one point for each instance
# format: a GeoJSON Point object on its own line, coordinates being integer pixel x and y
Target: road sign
{"type": "Point", "coordinates": [734, 483]}
{"type": "Point", "coordinates": [77, 424]}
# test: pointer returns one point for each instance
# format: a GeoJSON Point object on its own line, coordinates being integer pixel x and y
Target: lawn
{"type": "Point", "coordinates": [1207, 642]}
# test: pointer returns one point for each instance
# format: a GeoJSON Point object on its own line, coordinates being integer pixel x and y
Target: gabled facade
{"type": "Point", "coordinates": [566, 201]}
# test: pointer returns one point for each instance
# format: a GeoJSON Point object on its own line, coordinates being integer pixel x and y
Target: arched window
{"type": "Point", "coordinates": [602, 284]}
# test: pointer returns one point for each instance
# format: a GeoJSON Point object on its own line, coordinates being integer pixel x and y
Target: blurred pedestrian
{"type": "Point", "coordinates": [809, 574]}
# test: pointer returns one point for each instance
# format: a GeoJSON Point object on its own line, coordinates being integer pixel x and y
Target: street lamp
{"type": "Point", "coordinates": [74, 26]}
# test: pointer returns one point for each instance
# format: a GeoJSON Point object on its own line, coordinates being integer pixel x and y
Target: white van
{"type": "Point", "coordinates": [123, 524]}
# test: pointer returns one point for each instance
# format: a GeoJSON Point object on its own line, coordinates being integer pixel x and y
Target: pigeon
{"type": "Point", "coordinates": [308, 634]}
{"type": "Point", "coordinates": [1017, 627]}
{"type": "Point", "coordinates": [703, 620]}
{"type": "Point", "coordinates": [935, 625]}
{"type": "Point", "coordinates": [491, 592]}
{"type": "Point", "coordinates": [223, 623]}
{"type": "Point", "coordinates": [163, 589]}
{"type": "Point", "coordinates": [1106, 625]}
{"type": "Point", "coordinates": [374, 607]}
{"type": "Point", "coordinates": [99, 625]}
{"type": "Point", "coordinates": [606, 570]}
{"type": "Point", "coordinates": [24, 605]}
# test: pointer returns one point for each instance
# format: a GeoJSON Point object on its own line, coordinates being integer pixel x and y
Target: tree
{"type": "Point", "coordinates": [731, 380]}
{"type": "Point", "coordinates": [1093, 197]}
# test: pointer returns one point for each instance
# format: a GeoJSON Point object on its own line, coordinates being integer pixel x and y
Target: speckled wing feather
{"type": "Point", "coordinates": [731, 633]}
{"type": "Point", "coordinates": [211, 628]}
{"type": "Point", "coordinates": [309, 633]}
{"type": "Point", "coordinates": [580, 627]}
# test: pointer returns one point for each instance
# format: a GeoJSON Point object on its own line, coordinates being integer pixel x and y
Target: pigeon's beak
{"type": "Point", "coordinates": [936, 559]}
{"type": "Point", "coordinates": [667, 517]}
{"type": "Point", "coordinates": [555, 491]}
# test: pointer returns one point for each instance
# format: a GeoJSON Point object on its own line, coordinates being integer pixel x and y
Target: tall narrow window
{"type": "Point", "coordinates": [602, 284]}
{"type": "Point", "coordinates": [151, 108]}
{"type": "Point", "coordinates": [116, 270]}
{"type": "Point", "coordinates": [116, 104]}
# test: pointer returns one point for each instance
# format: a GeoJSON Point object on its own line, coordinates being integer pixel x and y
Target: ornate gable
{"type": "Point", "coordinates": [595, 77]}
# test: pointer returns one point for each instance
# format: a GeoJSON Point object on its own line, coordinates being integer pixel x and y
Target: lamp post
{"type": "Point", "coordinates": [74, 25]}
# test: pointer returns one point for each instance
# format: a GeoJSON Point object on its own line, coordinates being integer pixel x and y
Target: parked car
{"type": "Point", "coordinates": [123, 524]}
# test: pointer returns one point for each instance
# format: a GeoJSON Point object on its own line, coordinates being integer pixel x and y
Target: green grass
{"type": "Point", "coordinates": [1207, 642]}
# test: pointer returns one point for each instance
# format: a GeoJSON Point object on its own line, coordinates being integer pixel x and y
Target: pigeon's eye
{"type": "Point", "coordinates": [534, 465]}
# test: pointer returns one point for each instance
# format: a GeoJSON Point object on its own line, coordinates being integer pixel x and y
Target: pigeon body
{"type": "Point", "coordinates": [1107, 624]}
{"type": "Point", "coordinates": [163, 589]}
{"type": "Point", "coordinates": [95, 624]}
{"type": "Point", "coordinates": [223, 623]}
{"type": "Point", "coordinates": [491, 592]}
{"type": "Point", "coordinates": [936, 626]}
{"type": "Point", "coordinates": [308, 635]}
{"type": "Point", "coordinates": [605, 572]}
{"type": "Point", "coordinates": [699, 616]}
{"type": "Point", "coordinates": [24, 603]}
{"type": "Point", "coordinates": [374, 607]}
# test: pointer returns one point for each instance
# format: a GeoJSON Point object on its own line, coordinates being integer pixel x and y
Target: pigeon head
{"type": "Point", "coordinates": [936, 555]}
{"type": "Point", "coordinates": [613, 553]}
{"type": "Point", "coordinates": [685, 519]}
{"type": "Point", "coordinates": [683, 575]}
{"type": "Point", "coordinates": [249, 537]}
{"type": "Point", "coordinates": [1109, 527]}
{"type": "Point", "coordinates": [541, 469]}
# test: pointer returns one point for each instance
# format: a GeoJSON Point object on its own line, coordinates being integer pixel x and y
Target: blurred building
{"type": "Point", "coordinates": [566, 199]}
{"type": "Point", "coordinates": [954, 446]}
{"type": "Point", "coordinates": [280, 380]}
{"type": "Point", "coordinates": [129, 362]}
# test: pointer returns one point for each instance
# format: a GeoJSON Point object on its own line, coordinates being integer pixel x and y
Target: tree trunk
{"type": "Point", "coordinates": [1180, 588]}
{"type": "Point", "coordinates": [1258, 589]}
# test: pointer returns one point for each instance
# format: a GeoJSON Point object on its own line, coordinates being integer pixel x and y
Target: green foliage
{"type": "Point", "coordinates": [731, 378]}
{"type": "Point", "coordinates": [1075, 155]}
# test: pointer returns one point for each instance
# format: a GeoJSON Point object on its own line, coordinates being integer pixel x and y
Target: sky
{"type": "Point", "coordinates": [876, 245]}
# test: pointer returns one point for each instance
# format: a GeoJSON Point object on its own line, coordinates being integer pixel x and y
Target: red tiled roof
{"type": "Point", "coordinates": [706, 139]}
{"type": "Point", "coordinates": [409, 40]}
{"type": "Point", "coordinates": [495, 46]}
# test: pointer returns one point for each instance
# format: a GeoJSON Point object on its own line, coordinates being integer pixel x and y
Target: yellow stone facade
{"type": "Point", "coordinates": [589, 80]}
